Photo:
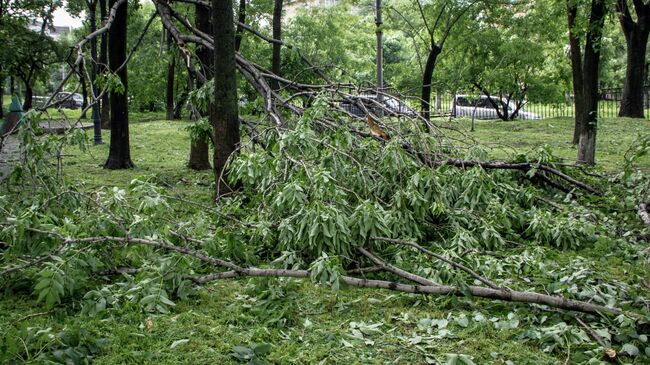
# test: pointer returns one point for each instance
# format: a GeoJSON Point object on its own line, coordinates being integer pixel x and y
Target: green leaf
{"type": "Point", "coordinates": [262, 349]}
{"type": "Point", "coordinates": [630, 349]}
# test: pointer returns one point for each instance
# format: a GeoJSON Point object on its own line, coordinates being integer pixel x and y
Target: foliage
{"type": "Point", "coordinates": [336, 193]}
{"type": "Point", "coordinates": [337, 38]}
{"type": "Point", "coordinates": [148, 67]}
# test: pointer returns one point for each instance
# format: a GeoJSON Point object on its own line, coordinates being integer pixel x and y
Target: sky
{"type": "Point", "coordinates": [62, 18]}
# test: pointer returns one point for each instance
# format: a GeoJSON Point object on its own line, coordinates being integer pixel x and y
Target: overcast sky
{"type": "Point", "coordinates": [61, 17]}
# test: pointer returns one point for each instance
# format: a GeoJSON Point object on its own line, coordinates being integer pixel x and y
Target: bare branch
{"type": "Point", "coordinates": [441, 258]}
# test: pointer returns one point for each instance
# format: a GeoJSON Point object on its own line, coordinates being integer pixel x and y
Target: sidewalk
{"type": "Point", "coordinates": [10, 153]}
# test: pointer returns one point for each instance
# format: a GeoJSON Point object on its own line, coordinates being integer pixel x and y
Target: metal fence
{"type": "Point", "coordinates": [442, 104]}
{"type": "Point", "coordinates": [609, 105]}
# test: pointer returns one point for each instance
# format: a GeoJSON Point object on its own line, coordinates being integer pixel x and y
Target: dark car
{"type": "Point", "coordinates": [62, 99]}
{"type": "Point", "coordinates": [68, 100]}
{"type": "Point", "coordinates": [391, 106]}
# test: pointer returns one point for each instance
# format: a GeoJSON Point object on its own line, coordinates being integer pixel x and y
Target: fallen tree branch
{"type": "Point", "coordinates": [395, 270]}
{"type": "Point", "coordinates": [488, 293]}
{"type": "Point", "coordinates": [523, 166]}
{"type": "Point", "coordinates": [441, 258]}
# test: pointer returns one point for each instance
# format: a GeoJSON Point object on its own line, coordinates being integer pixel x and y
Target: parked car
{"type": "Point", "coordinates": [482, 108]}
{"type": "Point", "coordinates": [392, 106]}
{"type": "Point", "coordinates": [68, 100]}
{"type": "Point", "coordinates": [61, 99]}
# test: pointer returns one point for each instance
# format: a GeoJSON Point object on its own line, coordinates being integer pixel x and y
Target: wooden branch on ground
{"type": "Point", "coordinates": [429, 287]}
{"type": "Point", "coordinates": [441, 258]}
{"type": "Point", "coordinates": [488, 293]}
{"type": "Point", "coordinates": [395, 270]}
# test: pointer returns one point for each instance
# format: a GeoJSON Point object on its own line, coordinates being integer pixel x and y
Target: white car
{"type": "Point", "coordinates": [482, 108]}
{"type": "Point", "coordinates": [392, 106]}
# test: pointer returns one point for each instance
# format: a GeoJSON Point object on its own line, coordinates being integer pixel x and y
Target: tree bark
{"type": "Point", "coordinates": [84, 95]}
{"type": "Point", "coordinates": [276, 59]}
{"type": "Point", "coordinates": [27, 104]}
{"type": "Point", "coordinates": [589, 123]}
{"type": "Point", "coordinates": [199, 149]}
{"type": "Point", "coordinates": [92, 20]}
{"type": "Point", "coordinates": [224, 115]}
{"type": "Point", "coordinates": [379, 54]}
{"type": "Point", "coordinates": [636, 39]}
{"type": "Point", "coordinates": [119, 156]}
{"type": "Point", "coordinates": [434, 52]}
{"type": "Point", "coordinates": [241, 18]}
{"type": "Point", "coordinates": [2, 94]}
{"type": "Point", "coordinates": [576, 67]}
{"type": "Point", "coordinates": [171, 66]}
{"type": "Point", "coordinates": [103, 60]}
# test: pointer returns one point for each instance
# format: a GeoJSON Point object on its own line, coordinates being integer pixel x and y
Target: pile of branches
{"type": "Point", "coordinates": [374, 157]}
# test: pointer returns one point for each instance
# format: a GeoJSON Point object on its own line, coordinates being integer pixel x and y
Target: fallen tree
{"type": "Point", "coordinates": [324, 189]}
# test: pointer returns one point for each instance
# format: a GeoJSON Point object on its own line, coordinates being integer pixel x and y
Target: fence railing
{"type": "Point", "coordinates": [442, 104]}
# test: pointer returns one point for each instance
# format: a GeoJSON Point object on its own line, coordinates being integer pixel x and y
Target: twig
{"type": "Point", "coordinates": [441, 258]}
{"type": "Point", "coordinates": [395, 270]}
{"type": "Point", "coordinates": [592, 333]}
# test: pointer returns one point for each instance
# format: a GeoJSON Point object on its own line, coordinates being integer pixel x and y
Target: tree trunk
{"type": "Point", "coordinates": [576, 67]}
{"type": "Point", "coordinates": [379, 55]}
{"type": "Point", "coordinates": [12, 85]}
{"type": "Point", "coordinates": [182, 100]}
{"type": "Point", "coordinates": [589, 123]}
{"type": "Point", "coordinates": [92, 20]}
{"type": "Point", "coordinates": [2, 95]}
{"type": "Point", "coordinates": [27, 104]}
{"type": "Point", "coordinates": [199, 155]}
{"type": "Point", "coordinates": [241, 17]}
{"type": "Point", "coordinates": [199, 149]}
{"type": "Point", "coordinates": [171, 66]}
{"type": "Point", "coordinates": [426, 81]}
{"type": "Point", "coordinates": [636, 38]}
{"type": "Point", "coordinates": [277, 47]}
{"type": "Point", "coordinates": [224, 116]}
{"type": "Point", "coordinates": [119, 156]}
{"type": "Point", "coordinates": [103, 60]}
{"type": "Point", "coordinates": [84, 95]}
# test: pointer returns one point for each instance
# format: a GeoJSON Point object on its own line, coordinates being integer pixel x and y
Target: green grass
{"type": "Point", "coordinates": [614, 138]}
{"type": "Point", "coordinates": [318, 322]}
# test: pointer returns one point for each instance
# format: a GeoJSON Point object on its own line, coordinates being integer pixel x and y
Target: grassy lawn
{"type": "Point", "coordinates": [306, 324]}
{"type": "Point", "coordinates": [615, 136]}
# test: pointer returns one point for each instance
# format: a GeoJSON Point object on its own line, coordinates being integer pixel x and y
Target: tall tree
{"type": "Point", "coordinates": [438, 21]}
{"type": "Point", "coordinates": [379, 52]}
{"type": "Point", "coordinates": [84, 93]}
{"type": "Point", "coordinates": [103, 62]}
{"type": "Point", "coordinates": [2, 93]}
{"type": "Point", "coordinates": [276, 60]}
{"type": "Point", "coordinates": [92, 24]}
{"type": "Point", "coordinates": [636, 36]}
{"type": "Point", "coordinates": [32, 54]}
{"type": "Point", "coordinates": [576, 66]}
{"type": "Point", "coordinates": [588, 123]}
{"type": "Point", "coordinates": [119, 156]}
{"type": "Point", "coordinates": [241, 18]}
{"type": "Point", "coordinates": [224, 115]}
{"type": "Point", "coordinates": [171, 66]}
{"type": "Point", "coordinates": [199, 150]}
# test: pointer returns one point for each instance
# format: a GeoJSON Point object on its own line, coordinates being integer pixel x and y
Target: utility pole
{"type": "Point", "coordinates": [380, 55]}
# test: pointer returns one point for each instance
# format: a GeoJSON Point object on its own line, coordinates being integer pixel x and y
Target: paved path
{"type": "Point", "coordinates": [9, 156]}
{"type": "Point", "coordinates": [10, 153]}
